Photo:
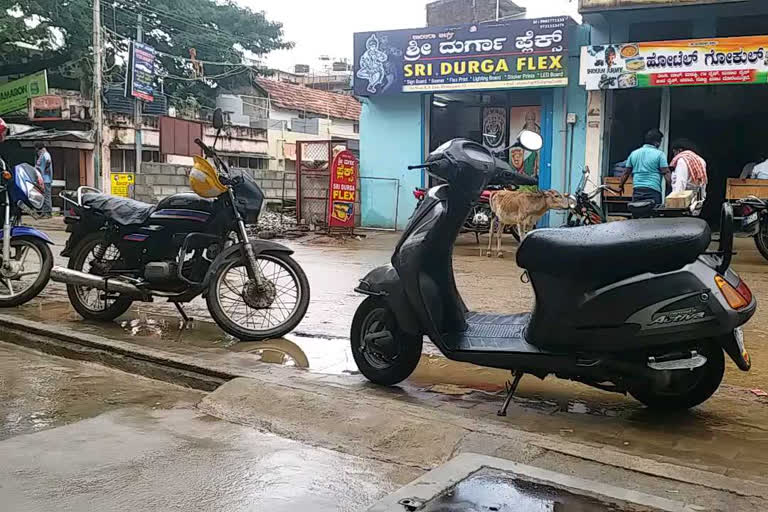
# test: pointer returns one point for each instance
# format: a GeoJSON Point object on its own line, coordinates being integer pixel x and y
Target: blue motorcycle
{"type": "Point", "coordinates": [26, 259]}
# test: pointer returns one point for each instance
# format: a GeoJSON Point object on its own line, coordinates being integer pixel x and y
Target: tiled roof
{"type": "Point", "coordinates": [299, 97]}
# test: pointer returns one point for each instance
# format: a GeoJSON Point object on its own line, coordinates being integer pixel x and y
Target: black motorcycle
{"type": "Point", "coordinates": [121, 250]}
{"type": "Point", "coordinates": [641, 306]}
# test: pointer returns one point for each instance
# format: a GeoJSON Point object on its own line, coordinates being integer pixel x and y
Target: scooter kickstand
{"type": "Point", "coordinates": [182, 313]}
{"type": "Point", "coordinates": [512, 387]}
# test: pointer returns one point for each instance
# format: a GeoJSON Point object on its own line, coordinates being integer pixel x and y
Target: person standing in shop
{"type": "Point", "coordinates": [647, 165]}
{"type": "Point", "coordinates": [690, 170]}
{"type": "Point", "coordinates": [45, 165]}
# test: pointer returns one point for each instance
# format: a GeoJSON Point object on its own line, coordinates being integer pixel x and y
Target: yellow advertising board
{"type": "Point", "coordinates": [121, 183]}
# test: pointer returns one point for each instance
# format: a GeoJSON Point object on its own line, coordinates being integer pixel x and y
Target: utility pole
{"type": "Point", "coordinates": [97, 86]}
{"type": "Point", "coordinates": [498, 9]}
{"type": "Point", "coordinates": [137, 104]}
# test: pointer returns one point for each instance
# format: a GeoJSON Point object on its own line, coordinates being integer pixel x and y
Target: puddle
{"type": "Point", "coordinates": [498, 491]}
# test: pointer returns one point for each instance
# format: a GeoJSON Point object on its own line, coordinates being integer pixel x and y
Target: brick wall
{"type": "Point", "coordinates": [158, 181]}
{"type": "Point", "coordinates": [451, 12]}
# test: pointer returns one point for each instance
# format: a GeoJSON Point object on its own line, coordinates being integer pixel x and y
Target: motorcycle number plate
{"type": "Point", "coordinates": [752, 218]}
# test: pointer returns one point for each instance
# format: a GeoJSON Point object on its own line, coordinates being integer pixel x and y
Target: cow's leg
{"type": "Point", "coordinates": [499, 236]}
{"type": "Point", "coordinates": [521, 231]}
{"type": "Point", "coordinates": [490, 237]}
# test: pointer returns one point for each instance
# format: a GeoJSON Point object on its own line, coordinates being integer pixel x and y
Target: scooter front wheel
{"type": "Point", "coordinates": [384, 354]}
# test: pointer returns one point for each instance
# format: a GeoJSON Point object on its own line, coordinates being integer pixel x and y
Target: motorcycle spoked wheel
{"type": "Point", "coordinates": [14, 289]}
{"type": "Point", "coordinates": [90, 303]}
{"type": "Point", "coordinates": [761, 239]}
{"type": "Point", "coordinates": [686, 388]}
{"type": "Point", "coordinates": [384, 354]}
{"type": "Point", "coordinates": [252, 314]}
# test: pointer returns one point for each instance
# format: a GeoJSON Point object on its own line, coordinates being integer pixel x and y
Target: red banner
{"type": "Point", "coordinates": [343, 193]}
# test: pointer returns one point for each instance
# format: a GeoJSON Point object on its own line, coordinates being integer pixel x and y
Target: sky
{"type": "Point", "coordinates": [325, 27]}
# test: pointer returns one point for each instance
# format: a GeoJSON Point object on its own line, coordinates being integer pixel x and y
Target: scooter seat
{"type": "Point", "coordinates": [615, 251]}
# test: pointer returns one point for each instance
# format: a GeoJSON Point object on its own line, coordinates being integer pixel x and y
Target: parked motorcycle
{"type": "Point", "coordinates": [753, 212]}
{"type": "Point", "coordinates": [640, 307]}
{"type": "Point", "coordinates": [121, 250]}
{"type": "Point", "coordinates": [26, 261]}
{"type": "Point", "coordinates": [583, 210]}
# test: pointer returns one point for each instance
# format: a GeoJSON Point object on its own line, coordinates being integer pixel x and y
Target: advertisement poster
{"type": "Point", "coordinates": [121, 183]}
{"type": "Point", "coordinates": [494, 127]}
{"type": "Point", "coordinates": [341, 207]}
{"type": "Point", "coordinates": [14, 94]}
{"type": "Point", "coordinates": [524, 118]}
{"type": "Point", "coordinates": [733, 60]}
{"type": "Point", "coordinates": [46, 108]}
{"type": "Point", "coordinates": [519, 53]}
{"type": "Point", "coordinates": [142, 72]}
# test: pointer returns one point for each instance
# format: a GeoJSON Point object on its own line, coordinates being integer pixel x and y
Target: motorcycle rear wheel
{"type": "Point", "coordinates": [374, 318]}
{"type": "Point", "coordinates": [688, 388]}
{"type": "Point", "coordinates": [90, 303]}
{"type": "Point", "coordinates": [761, 239]}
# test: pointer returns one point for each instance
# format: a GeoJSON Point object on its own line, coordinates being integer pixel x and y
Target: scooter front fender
{"type": "Point", "coordinates": [18, 231]}
{"type": "Point", "coordinates": [385, 282]}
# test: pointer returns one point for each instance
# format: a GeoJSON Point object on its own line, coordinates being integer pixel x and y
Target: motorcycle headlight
{"type": "Point", "coordinates": [34, 196]}
{"type": "Point", "coordinates": [572, 202]}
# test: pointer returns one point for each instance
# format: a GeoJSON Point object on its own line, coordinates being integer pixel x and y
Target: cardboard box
{"type": "Point", "coordinates": [679, 199]}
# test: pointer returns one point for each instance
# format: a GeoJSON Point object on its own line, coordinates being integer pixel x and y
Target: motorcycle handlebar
{"type": "Point", "coordinates": [206, 150]}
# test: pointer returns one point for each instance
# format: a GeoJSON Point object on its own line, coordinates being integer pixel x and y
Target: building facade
{"type": "Point", "coordinates": [694, 69]}
{"type": "Point", "coordinates": [420, 89]}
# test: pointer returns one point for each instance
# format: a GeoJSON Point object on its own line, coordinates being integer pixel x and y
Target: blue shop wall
{"type": "Point", "coordinates": [391, 137]}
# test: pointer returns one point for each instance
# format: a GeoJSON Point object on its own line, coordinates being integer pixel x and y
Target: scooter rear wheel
{"type": "Point", "coordinates": [384, 354]}
{"type": "Point", "coordinates": [688, 388]}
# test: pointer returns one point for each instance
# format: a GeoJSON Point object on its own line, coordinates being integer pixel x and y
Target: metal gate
{"type": "Point", "coordinates": [313, 179]}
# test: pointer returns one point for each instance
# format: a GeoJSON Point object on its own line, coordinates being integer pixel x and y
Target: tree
{"type": "Point", "coordinates": [40, 34]}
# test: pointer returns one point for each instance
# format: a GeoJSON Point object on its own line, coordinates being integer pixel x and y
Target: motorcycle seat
{"type": "Point", "coordinates": [616, 250]}
{"type": "Point", "coordinates": [641, 208]}
{"type": "Point", "coordinates": [124, 211]}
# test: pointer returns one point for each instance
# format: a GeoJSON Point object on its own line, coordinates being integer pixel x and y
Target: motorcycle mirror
{"type": "Point", "coordinates": [218, 119]}
{"type": "Point", "coordinates": [531, 141]}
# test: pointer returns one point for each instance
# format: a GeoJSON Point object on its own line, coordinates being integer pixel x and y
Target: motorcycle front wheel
{"type": "Point", "coordinates": [31, 263]}
{"type": "Point", "coordinates": [252, 313]}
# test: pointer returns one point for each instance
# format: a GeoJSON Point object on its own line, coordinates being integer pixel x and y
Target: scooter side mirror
{"type": "Point", "coordinates": [531, 141]}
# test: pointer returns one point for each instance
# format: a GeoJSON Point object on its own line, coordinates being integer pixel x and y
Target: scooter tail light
{"type": "Point", "coordinates": [737, 297]}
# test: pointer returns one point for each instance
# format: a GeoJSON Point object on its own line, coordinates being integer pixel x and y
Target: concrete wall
{"type": "Point", "coordinates": [158, 181]}
{"type": "Point", "coordinates": [450, 12]}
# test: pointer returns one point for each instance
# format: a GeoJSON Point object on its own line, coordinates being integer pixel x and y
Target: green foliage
{"type": "Point", "coordinates": [61, 32]}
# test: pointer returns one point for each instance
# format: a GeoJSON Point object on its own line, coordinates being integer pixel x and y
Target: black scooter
{"type": "Point", "coordinates": [640, 306]}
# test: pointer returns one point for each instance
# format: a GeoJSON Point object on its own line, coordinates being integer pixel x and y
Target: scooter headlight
{"type": "Point", "coordinates": [34, 196]}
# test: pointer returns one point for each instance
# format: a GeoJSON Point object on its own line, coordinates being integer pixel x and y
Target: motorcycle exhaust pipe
{"type": "Point", "coordinates": [69, 276]}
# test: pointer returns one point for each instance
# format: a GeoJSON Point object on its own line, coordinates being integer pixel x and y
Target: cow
{"type": "Point", "coordinates": [522, 209]}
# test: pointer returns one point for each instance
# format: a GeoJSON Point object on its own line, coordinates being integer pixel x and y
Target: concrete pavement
{"type": "Point", "coordinates": [79, 437]}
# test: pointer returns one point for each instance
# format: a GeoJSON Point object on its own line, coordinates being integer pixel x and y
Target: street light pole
{"type": "Point", "coordinates": [498, 9]}
{"type": "Point", "coordinates": [97, 86]}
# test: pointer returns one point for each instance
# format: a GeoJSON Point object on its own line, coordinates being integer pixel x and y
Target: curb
{"type": "Point", "coordinates": [188, 369]}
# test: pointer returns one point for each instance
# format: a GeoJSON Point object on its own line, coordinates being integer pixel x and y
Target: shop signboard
{"type": "Point", "coordinates": [121, 183]}
{"type": "Point", "coordinates": [733, 60]}
{"type": "Point", "coordinates": [518, 53]}
{"type": "Point", "coordinates": [141, 78]}
{"type": "Point", "coordinates": [46, 108]}
{"type": "Point", "coordinates": [343, 194]}
{"type": "Point", "coordinates": [601, 5]}
{"type": "Point", "coordinates": [14, 94]}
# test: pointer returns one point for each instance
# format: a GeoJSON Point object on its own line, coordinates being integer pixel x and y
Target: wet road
{"type": "Point", "coordinates": [75, 436]}
{"type": "Point", "coordinates": [729, 431]}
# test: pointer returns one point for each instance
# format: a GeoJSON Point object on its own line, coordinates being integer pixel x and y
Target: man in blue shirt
{"type": "Point", "coordinates": [647, 165]}
{"type": "Point", "coordinates": [45, 165]}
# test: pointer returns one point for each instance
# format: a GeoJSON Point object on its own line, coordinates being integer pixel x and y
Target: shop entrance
{"type": "Point", "coordinates": [726, 123]}
{"type": "Point", "coordinates": [494, 119]}
{"type": "Point", "coordinates": [728, 126]}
